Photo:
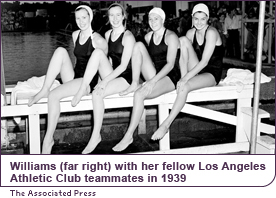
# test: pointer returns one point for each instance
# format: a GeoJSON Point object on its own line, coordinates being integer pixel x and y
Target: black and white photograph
{"type": "Point", "coordinates": [100, 85]}
{"type": "Point", "coordinates": [136, 94]}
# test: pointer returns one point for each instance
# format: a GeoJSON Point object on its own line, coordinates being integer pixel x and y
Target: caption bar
{"type": "Point", "coordinates": [138, 170]}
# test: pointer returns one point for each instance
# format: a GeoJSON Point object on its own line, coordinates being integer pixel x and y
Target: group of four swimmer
{"type": "Point", "coordinates": [167, 63]}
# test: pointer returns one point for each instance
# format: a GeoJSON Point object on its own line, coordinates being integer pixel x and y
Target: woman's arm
{"type": "Point", "coordinates": [190, 34]}
{"type": "Point", "coordinates": [100, 42]}
{"type": "Point", "coordinates": [107, 34]}
{"type": "Point", "coordinates": [211, 38]}
{"type": "Point", "coordinates": [75, 36]}
{"type": "Point", "coordinates": [148, 36]}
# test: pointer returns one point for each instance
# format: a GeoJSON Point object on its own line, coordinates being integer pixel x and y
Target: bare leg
{"type": "Point", "coordinates": [137, 60]}
{"type": "Point", "coordinates": [163, 86]}
{"type": "Point", "coordinates": [65, 90]}
{"type": "Point", "coordinates": [188, 56]}
{"type": "Point", "coordinates": [113, 87]}
{"type": "Point", "coordinates": [197, 82]}
{"type": "Point", "coordinates": [187, 62]}
{"type": "Point", "coordinates": [97, 61]}
{"type": "Point", "coordinates": [142, 64]}
{"type": "Point", "coordinates": [59, 64]}
{"type": "Point", "coordinates": [98, 112]}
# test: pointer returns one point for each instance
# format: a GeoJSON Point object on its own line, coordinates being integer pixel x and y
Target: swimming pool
{"type": "Point", "coordinates": [28, 54]}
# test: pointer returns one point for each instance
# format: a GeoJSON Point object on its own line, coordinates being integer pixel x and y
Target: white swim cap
{"type": "Point", "coordinates": [201, 8]}
{"type": "Point", "coordinates": [158, 11]}
{"type": "Point", "coordinates": [88, 9]}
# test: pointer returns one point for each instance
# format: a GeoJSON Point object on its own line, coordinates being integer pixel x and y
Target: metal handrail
{"type": "Point", "coordinates": [254, 123]}
{"type": "Point", "coordinates": [3, 84]}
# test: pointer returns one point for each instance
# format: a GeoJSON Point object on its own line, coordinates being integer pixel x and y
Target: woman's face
{"type": "Point", "coordinates": [155, 22]}
{"type": "Point", "coordinates": [200, 20]}
{"type": "Point", "coordinates": [116, 16]}
{"type": "Point", "coordinates": [82, 19]}
{"type": "Point", "coordinates": [222, 17]}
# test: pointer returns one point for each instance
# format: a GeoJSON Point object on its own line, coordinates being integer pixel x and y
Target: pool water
{"type": "Point", "coordinates": [28, 54]}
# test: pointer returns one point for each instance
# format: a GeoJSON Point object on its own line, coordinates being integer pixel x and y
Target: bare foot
{"type": "Point", "coordinates": [92, 144]}
{"type": "Point", "coordinates": [132, 88]}
{"type": "Point", "coordinates": [37, 97]}
{"type": "Point", "coordinates": [77, 98]}
{"type": "Point", "coordinates": [160, 133]}
{"type": "Point", "coordinates": [47, 146]}
{"type": "Point", "coordinates": [123, 144]}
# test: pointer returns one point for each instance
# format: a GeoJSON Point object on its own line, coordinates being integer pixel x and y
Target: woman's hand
{"type": "Point", "coordinates": [180, 85]}
{"type": "Point", "coordinates": [147, 87]}
{"type": "Point", "coordinates": [100, 88]}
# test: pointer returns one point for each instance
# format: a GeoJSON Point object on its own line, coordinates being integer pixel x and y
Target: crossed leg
{"type": "Point", "coordinates": [60, 64]}
{"type": "Point", "coordinates": [65, 90]}
{"type": "Point", "coordinates": [188, 61]}
{"type": "Point", "coordinates": [197, 82]}
{"type": "Point", "coordinates": [164, 85]}
{"type": "Point", "coordinates": [97, 62]}
{"type": "Point", "coordinates": [139, 58]}
{"type": "Point", "coordinates": [113, 87]}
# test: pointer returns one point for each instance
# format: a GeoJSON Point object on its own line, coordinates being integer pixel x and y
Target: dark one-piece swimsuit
{"type": "Point", "coordinates": [214, 66]}
{"type": "Point", "coordinates": [158, 54]}
{"type": "Point", "coordinates": [115, 52]}
{"type": "Point", "coordinates": [83, 53]}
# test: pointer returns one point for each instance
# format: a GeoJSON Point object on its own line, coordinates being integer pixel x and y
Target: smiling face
{"type": "Point", "coordinates": [155, 21]}
{"type": "Point", "coordinates": [82, 19]}
{"type": "Point", "coordinates": [200, 20]}
{"type": "Point", "coordinates": [116, 16]}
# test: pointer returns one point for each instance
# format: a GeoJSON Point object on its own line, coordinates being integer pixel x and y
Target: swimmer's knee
{"type": "Point", "coordinates": [184, 41]}
{"type": "Point", "coordinates": [98, 52]}
{"type": "Point", "coordinates": [61, 50]}
{"type": "Point", "coordinates": [139, 46]}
